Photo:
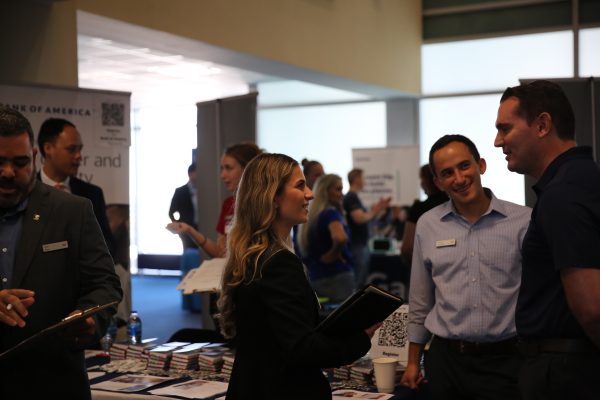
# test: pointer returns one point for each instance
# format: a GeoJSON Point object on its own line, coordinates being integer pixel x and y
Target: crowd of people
{"type": "Point", "coordinates": [507, 297]}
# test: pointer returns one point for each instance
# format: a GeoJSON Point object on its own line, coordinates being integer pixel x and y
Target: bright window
{"type": "Point", "coordinates": [494, 64]}
{"type": "Point", "coordinates": [589, 52]}
{"type": "Point", "coordinates": [162, 153]}
{"type": "Point", "coordinates": [323, 133]}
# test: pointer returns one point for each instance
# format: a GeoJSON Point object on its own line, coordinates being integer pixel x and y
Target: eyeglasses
{"type": "Point", "coordinates": [18, 162]}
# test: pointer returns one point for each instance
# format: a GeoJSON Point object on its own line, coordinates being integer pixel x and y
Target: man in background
{"type": "Point", "coordinates": [60, 144]}
{"type": "Point", "coordinates": [465, 277]}
{"type": "Point", "coordinates": [558, 311]}
{"type": "Point", "coordinates": [184, 208]}
{"type": "Point", "coordinates": [54, 262]}
{"type": "Point", "coordinates": [358, 223]}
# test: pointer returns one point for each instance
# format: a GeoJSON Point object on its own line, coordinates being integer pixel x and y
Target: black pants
{"type": "Point", "coordinates": [455, 375]}
{"type": "Point", "coordinates": [560, 376]}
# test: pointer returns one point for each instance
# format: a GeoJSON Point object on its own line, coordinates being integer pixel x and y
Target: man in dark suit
{"type": "Point", "coordinates": [60, 144]}
{"type": "Point", "coordinates": [54, 262]}
{"type": "Point", "coordinates": [184, 208]}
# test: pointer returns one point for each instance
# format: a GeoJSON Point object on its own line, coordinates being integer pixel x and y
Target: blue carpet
{"type": "Point", "coordinates": [158, 303]}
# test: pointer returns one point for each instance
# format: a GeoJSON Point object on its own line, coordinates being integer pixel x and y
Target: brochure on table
{"type": "Point", "coordinates": [130, 383]}
{"type": "Point", "coordinates": [194, 389]}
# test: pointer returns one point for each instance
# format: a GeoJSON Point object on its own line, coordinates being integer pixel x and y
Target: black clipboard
{"type": "Point", "coordinates": [55, 328]}
{"type": "Point", "coordinates": [363, 309]}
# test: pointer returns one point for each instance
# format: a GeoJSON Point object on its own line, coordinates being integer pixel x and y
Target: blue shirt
{"type": "Point", "coordinates": [320, 241]}
{"type": "Point", "coordinates": [465, 276]}
{"type": "Point", "coordinates": [11, 224]}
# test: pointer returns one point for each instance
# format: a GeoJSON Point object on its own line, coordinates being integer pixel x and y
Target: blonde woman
{"type": "Point", "coordinates": [266, 302]}
{"type": "Point", "coordinates": [324, 241]}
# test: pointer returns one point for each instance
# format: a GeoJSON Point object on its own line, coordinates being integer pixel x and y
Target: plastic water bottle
{"type": "Point", "coordinates": [109, 337]}
{"type": "Point", "coordinates": [134, 328]}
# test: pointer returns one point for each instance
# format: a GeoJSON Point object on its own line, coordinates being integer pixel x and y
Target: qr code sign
{"type": "Point", "coordinates": [113, 114]}
{"type": "Point", "coordinates": [393, 331]}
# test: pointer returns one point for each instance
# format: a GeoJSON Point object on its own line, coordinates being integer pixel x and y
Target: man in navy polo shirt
{"type": "Point", "coordinates": [558, 309]}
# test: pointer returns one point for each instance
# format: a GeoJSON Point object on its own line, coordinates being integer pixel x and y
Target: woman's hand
{"type": "Point", "coordinates": [371, 330]}
{"type": "Point", "coordinates": [178, 227]}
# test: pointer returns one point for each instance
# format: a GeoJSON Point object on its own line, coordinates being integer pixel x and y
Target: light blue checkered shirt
{"type": "Point", "coordinates": [465, 277]}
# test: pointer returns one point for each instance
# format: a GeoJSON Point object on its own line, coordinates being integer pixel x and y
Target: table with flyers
{"type": "Point", "coordinates": [147, 375]}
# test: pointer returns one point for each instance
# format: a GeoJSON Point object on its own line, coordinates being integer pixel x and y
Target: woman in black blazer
{"type": "Point", "coordinates": [267, 303]}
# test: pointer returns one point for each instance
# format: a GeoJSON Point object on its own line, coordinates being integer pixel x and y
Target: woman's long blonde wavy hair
{"type": "Point", "coordinates": [251, 236]}
{"type": "Point", "coordinates": [319, 203]}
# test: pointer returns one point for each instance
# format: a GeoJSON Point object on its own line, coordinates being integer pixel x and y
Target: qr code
{"type": "Point", "coordinates": [113, 114]}
{"type": "Point", "coordinates": [393, 331]}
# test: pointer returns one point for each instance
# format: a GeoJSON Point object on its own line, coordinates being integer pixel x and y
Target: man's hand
{"type": "Point", "coordinates": [14, 304]}
{"type": "Point", "coordinates": [81, 333]}
{"type": "Point", "coordinates": [412, 376]}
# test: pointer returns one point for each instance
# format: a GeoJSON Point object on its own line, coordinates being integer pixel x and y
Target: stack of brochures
{"type": "Point", "coordinates": [140, 351]}
{"type": "Point", "coordinates": [118, 351]}
{"type": "Point", "coordinates": [228, 360]}
{"type": "Point", "coordinates": [361, 371]}
{"type": "Point", "coordinates": [210, 361]}
{"type": "Point", "coordinates": [160, 356]}
{"type": "Point", "coordinates": [186, 358]}
{"type": "Point", "coordinates": [342, 372]}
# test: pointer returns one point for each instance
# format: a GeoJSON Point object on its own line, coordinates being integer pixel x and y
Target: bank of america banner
{"type": "Point", "coordinates": [388, 172]}
{"type": "Point", "coordinates": [102, 119]}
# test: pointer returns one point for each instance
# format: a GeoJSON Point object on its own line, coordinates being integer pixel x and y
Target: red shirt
{"type": "Point", "coordinates": [226, 216]}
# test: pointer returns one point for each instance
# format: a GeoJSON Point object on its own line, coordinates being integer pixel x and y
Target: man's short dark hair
{"type": "Point", "coordinates": [192, 168]}
{"type": "Point", "coordinates": [49, 131]}
{"type": "Point", "coordinates": [353, 174]}
{"type": "Point", "coordinates": [544, 96]}
{"type": "Point", "coordinates": [445, 141]}
{"type": "Point", "coordinates": [13, 123]}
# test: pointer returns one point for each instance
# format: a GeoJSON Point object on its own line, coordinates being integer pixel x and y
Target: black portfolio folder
{"type": "Point", "coordinates": [360, 311]}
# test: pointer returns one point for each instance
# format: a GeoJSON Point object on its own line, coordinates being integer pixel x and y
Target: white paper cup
{"type": "Point", "coordinates": [385, 374]}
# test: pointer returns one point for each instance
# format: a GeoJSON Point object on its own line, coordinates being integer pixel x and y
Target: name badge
{"type": "Point", "coordinates": [55, 246]}
{"type": "Point", "coordinates": [445, 243]}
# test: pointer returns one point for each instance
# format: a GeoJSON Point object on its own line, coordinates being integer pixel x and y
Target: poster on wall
{"type": "Point", "coordinates": [388, 172]}
{"type": "Point", "coordinates": [102, 119]}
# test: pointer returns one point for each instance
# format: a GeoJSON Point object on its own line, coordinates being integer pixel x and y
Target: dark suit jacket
{"type": "Point", "coordinates": [182, 203]}
{"type": "Point", "coordinates": [279, 354]}
{"type": "Point", "coordinates": [96, 196]}
{"type": "Point", "coordinates": [76, 277]}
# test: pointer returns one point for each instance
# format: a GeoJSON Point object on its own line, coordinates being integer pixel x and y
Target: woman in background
{"type": "Point", "coordinates": [266, 302]}
{"type": "Point", "coordinates": [233, 162]}
{"type": "Point", "coordinates": [324, 242]}
{"type": "Point", "coordinates": [312, 171]}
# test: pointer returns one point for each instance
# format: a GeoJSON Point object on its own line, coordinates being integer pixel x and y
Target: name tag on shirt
{"type": "Point", "coordinates": [445, 243]}
{"type": "Point", "coordinates": [55, 246]}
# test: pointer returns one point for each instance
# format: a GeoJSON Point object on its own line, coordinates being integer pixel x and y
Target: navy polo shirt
{"type": "Point", "coordinates": [564, 233]}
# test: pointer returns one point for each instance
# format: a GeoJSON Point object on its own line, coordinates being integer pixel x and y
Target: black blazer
{"type": "Point", "coordinates": [182, 203]}
{"type": "Point", "coordinates": [77, 276]}
{"type": "Point", "coordinates": [279, 354]}
{"type": "Point", "coordinates": [96, 196]}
